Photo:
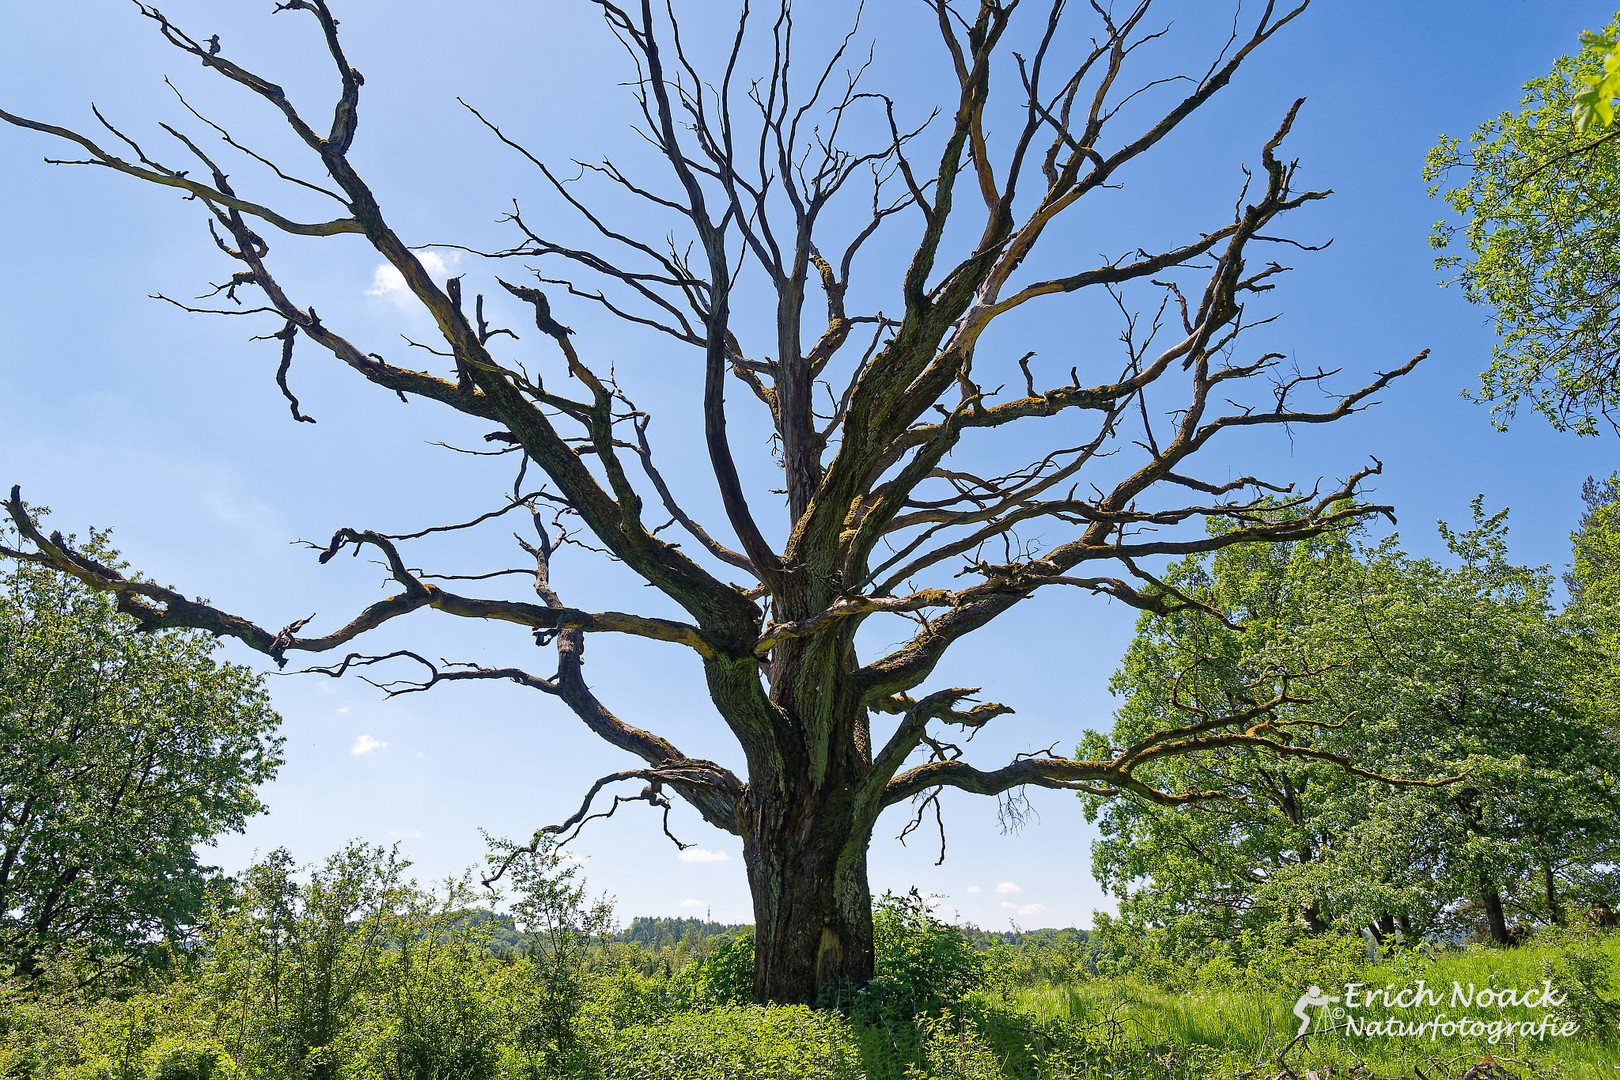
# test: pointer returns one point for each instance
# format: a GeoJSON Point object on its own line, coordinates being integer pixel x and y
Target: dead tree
{"type": "Point", "coordinates": [876, 416]}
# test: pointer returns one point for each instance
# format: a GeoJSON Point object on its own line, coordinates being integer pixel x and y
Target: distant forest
{"type": "Point", "coordinates": [658, 934]}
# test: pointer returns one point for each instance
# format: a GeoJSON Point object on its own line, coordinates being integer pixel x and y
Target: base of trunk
{"type": "Point", "coordinates": [812, 920]}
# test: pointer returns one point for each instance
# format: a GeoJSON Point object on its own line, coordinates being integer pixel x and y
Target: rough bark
{"type": "Point", "coordinates": [807, 874]}
{"type": "Point", "coordinates": [1495, 919]}
{"type": "Point", "coordinates": [1555, 909]}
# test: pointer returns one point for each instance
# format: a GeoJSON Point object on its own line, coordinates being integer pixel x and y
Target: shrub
{"type": "Point", "coordinates": [179, 1057]}
{"type": "Point", "coordinates": [1285, 959]}
{"type": "Point", "coordinates": [923, 965]}
{"type": "Point", "coordinates": [724, 977]}
{"type": "Point", "coordinates": [755, 1042]}
{"type": "Point", "coordinates": [624, 997]}
{"type": "Point", "coordinates": [1583, 974]}
{"type": "Point", "coordinates": [952, 1049]}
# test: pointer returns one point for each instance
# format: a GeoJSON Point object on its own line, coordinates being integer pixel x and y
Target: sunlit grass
{"type": "Point", "coordinates": [1133, 1029]}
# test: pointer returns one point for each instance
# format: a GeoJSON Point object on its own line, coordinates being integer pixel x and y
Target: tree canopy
{"type": "Point", "coordinates": [1538, 241]}
{"type": "Point", "coordinates": [1466, 668]}
{"type": "Point", "coordinates": [123, 752]}
{"type": "Point", "coordinates": [932, 472]}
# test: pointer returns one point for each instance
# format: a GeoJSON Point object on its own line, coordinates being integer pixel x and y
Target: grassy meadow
{"type": "Point", "coordinates": [403, 992]}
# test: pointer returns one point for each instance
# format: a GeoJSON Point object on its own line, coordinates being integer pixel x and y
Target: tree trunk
{"type": "Point", "coordinates": [808, 817]}
{"type": "Point", "coordinates": [1555, 910]}
{"type": "Point", "coordinates": [812, 904]}
{"type": "Point", "coordinates": [1495, 921]}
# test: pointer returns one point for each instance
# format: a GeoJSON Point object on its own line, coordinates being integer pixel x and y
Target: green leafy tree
{"type": "Point", "coordinates": [550, 908]}
{"type": "Point", "coordinates": [122, 752]}
{"type": "Point", "coordinates": [291, 963]}
{"type": "Point", "coordinates": [1593, 581]}
{"type": "Point", "coordinates": [1465, 669]}
{"type": "Point", "coordinates": [1539, 242]}
{"type": "Point", "coordinates": [1594, 573]}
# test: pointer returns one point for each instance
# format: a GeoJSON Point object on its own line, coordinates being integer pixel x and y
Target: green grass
{"type": "Point", "coordinates": [1126, 1029]}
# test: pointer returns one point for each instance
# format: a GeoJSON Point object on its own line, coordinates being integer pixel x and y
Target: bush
{"type": "Point", "coordinates": [724, 977]}
{"type": "Point", "coordinates": [624, 997]}
{"type": "Point", "coordinates": [756, 1042]}
{"type": "Point", "coordinates": [952, 1049]}
{"type": "Point", "coordinates": [178, 1057]}
{"type": "Point", "coordinates": [1284, 959]}
{"type": "Point", "coordinates": [1583, 974]}
{"type": "Point", "coordinates": [923, 965]}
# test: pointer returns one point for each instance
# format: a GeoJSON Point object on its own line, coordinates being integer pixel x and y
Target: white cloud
{"type": "Point", "coordinates": [1008, 905]}
{"type": "Point", "coordinates": [1007, 888]}
{"type": "Point", "coordinates": [974, 888]}
{"type": "Point", "coordinates": [397, 834]}
{"type": "Point", "coordinates": [388, 281]}
{"type": "Point", "coordinates": [342, 709]}
{"type": "Point", "coordinates": [690, 903]}
{"type": "Point", "coordinates": [702, 855]}
{"type": "Point", "coordinates": [365, 744]}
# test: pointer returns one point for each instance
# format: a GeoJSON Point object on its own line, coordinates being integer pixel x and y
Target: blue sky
{"type": "Point", "coordinates": [122, 411]}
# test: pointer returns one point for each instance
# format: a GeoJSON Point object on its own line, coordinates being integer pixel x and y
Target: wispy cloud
{"type": "Point", "coordinates": [397, 834]}
{"type": "Point", "coordinates": [691, 903]}
{"type": "Point", "coordinates": [1007, 888]}
{"type": "Point", "coordinates": [974, 888]}
{"type": "Point", "coordinates": [365, 744]}
{"type": "Point", "coordinates": [702, 855]}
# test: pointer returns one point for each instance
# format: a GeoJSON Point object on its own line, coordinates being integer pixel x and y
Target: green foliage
{"type": "Point", "coordinates": [1043, 956]}
{"type": "Point", "coordinates": [656, 933]}
{"type": "Point", "coordinates": [732, 1042]}
{"type": "Point", "coordinates": [293, 963]}
{"type": "Point", "coordinates": [1539, 242]}
{"type": "Point", "coordinates": [1593, 581]}
{"type": "Point", "coordinates": [1594, 106]}
{"type": "Point", "coordinates": [1283, 959]}
{"type": "Point", "coordinates": [954, 1049]}
{"type": "Point", "coordinates": [1594, 574]}
{"type": "Point", "coordinates": [622, 997]}
{"type": "Point", "coordinates": [124, 751]}
{"type": "Point", "coordinates": [549, 908]}
{"type": "Point", "coordinates": [724, 977]}
{"type": "Point", "coordinates": [1223, 1019]}
{"type": "Point", "coordinates": [922, 963]}
{"type": "Point", "coordinates": [436, 1010]}
{"type": "Point", "coordinates": [1413, 669]}
{"type": "Point", "coordinates": [178, 1057]}
{"type": "Point", "coordinates": [1584, 974]}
